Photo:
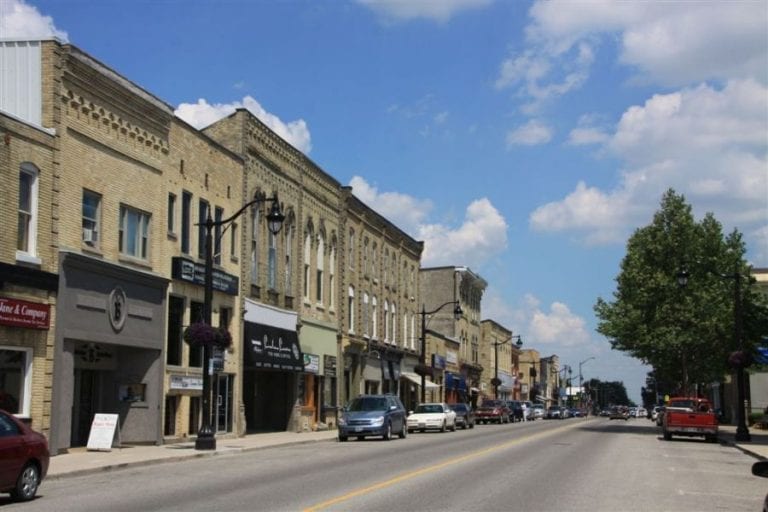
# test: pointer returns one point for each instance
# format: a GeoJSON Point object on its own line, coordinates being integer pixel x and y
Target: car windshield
{"type": "Point", "coordinates": [458, 407]}
{"type": "Point", "coordinates": [491, 403]}
{"type": "Point", "coordinates": [368, 403]}
{"type": "Point", "coordinates": [430, 408]}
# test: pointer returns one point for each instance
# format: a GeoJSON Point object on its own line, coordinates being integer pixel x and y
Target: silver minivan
{"type": "Point", "coordinates": [373, 415]}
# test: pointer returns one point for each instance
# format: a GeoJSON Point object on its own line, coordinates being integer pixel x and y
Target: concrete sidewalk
{"type": "Point", "coordinates": [80, 461]}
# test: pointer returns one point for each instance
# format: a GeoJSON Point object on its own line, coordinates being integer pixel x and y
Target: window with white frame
{"type": "Point", "coordinates": [217, 234]}
{"type": "Point", "coordinates": [374, 318]}
{"type": "Point", "coordinates": [186, 220]}
{"type": "Point", "coordinates": [366, 315]}
{"type": "Point", "coordinates": [203, 210]}
{"type": "Point", "coordinates": [366, 249]}
{"type": "Point", "coordinates": [272, 261]}
{"type": "Point", "coordinates": [233, 241]}
{"type": "Point", "coordinates": [15, 380]}
{"type": "Point", "coordinates": [27, 219]}
{"type": "Point", "coordinates": [351, 309]}
{"type": "Point", "coordinates": [413, 331]}
{"type": "Point", "coordinates": [332, 277]}
{"type": "Point", "coordinates": [134, 233]}
{"type": "Point", "coordinates": [307, 259]}
{"type": "Point", "coordinates": [386, 320]}
{"type": "Point", "coordinates": [91, 218]}
{"type": "Point", "coordinates": [375, 261]}
{"type": "Point", "coordinates": [319, 269]}
{"type": "Point", "coordinates": [255, 213]}
{"type": "Point", "coordinates": [407, 340]}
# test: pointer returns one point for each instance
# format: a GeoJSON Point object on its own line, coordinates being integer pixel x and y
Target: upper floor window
{"type": "Point", "coordinates": [351, 248]}
{"type": "Point", "coordinates": [186, 220]}
{"type": "Point", "coordinates": [255, 217]}
{"type": "Point", "coordinates": [374, 318]}
{"type": "Point", "coordinates": [134, 233]}
{"type": "Point", "coordinates": [374, 261]}
{"type": "Point", "coordinates": [233, 241]}
{"type": "Point", "coordinates": [393, 323]}
{"type": "Point", "coordinates": [27, 222]}
{"type": "Point", "coordinates": [351, 309]}
{"type": "Point", "coordinates": [91, 218]}
{"type": "Point", "coordinates": [319, 269]}
{"type": "Point", "coordinates": [290, 232]}
{"type": "Point", "coordinates": [202, 217]}
{"type": "Point", "coordinates": [332, 276]}
{"type": "Point", "coordinates": [217, 236]}
{"type": "Point", "coordinates": [386, 320]}
{"type": "Point", "coordinates": [366, 248]}
{"type": "Point", "coordinates": [307, 258]}
{"type": "Point", "coordinates": [272, 262]}
{"type": "Point", "coordinates": [171, 213]}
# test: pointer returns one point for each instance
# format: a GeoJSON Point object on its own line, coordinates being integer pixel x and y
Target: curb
{"type": "Point", "coordinates": [230, 450]}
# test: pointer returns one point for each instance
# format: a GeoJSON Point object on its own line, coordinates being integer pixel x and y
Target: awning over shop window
{"type": "Point", "coordinates": [416, 379]}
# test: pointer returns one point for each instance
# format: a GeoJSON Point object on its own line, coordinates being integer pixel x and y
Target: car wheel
{"type": "Point", "coordinates": [387, 432]}
{"type": "Point", "coordinates": [453, 427]}
{"type": "Point", "coordinates": [27, 483]}
{"type": "Point", "coordinates": [404, 432]}
{"type": "Point", "coordinates": [423, 430]}
{"type": "Point", "coordinates": [442, 427]}
{"type": "Point", "coordinates": [360, 438]}
{"type": "Point", "coordinates": [343, 439]}
{"type": "Point", "coordinates": [667, 436]}
{"type": "Point", "coordinates": [471, 425]}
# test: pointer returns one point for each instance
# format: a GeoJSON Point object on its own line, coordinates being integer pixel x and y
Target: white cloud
{"type": "Point", "coordinates": [668, 43]}
{"type": "Point", "coordinates": [435, 10]}
{"type": "Point", "coordinates": [405, 211]}
{"type": "Point", "coordinates": [481, 236]}
{"type": "Point", "coordinates": [19, 20]}
{"type": "Point", "coordinates": [532, 133]}
{"type": "Point", "coordinates": [201, 114]}
{"type": "Point", "coordinates": [709, 144]}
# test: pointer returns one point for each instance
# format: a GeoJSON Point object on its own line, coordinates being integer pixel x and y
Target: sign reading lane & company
{"type": "Point", "coordinates": [20, 313]}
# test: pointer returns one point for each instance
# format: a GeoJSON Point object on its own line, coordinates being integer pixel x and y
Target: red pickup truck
{"type": "Point", "coordinates": [689, 416]}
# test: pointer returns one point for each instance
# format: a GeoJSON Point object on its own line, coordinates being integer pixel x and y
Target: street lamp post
{"type": "Point", "coordinates": [581, 393]}
{"type": "Point", "coordinates": [564, 369]}
{"type": "Point", "coordinates": [422, 370]}
{"type": "Point", "coordinates": [496, 345]}
{"type": "Point", "coordinates": [206, 439]}
{"type": "Point", "coordinates": [742, 431]}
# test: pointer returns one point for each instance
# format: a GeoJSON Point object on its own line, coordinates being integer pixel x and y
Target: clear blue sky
{"type": "Point", "coordinates": [526, 140]}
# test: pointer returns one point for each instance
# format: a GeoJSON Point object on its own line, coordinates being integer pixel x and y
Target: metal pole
{"type": "Point", "coordinates": [206, 439]}
{"type": "Point", "coordinates": [496, 370]}
{"type": "Point", "coordinates": [423, 358]}
{"type": "Point", "coordinates": [742, 431]}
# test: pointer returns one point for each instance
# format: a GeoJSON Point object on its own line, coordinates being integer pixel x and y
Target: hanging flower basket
{"type": "Point", "coordinates": [201, 334]}
{"type": "Point", "coordinates": [423, 369]}
{"type": "Point", "coordinates": [495, 382]}
{"type": "Point", "coordinates": [740, 359]}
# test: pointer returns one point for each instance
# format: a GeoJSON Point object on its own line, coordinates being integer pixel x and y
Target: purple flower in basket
{"type": "Point", "coordinates": [201, 333]}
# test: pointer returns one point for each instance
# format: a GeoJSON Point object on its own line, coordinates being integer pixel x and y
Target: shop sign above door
{"type": "Point", "coordinates": [20, 313]}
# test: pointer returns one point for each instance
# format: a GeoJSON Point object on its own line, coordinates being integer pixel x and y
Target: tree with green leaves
{"type": "Point", "coordinates": [686, 333]}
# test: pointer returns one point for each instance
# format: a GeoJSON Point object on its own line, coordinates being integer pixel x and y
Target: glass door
{"type": "Point", "coordinates": [223, 403]}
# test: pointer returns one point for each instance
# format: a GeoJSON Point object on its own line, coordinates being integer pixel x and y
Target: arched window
{"type": "Point", "coordinates": [386, 320]}
{"type": "Point", "coordinates": [290, 234]}
{"type": "Point", "coordinates": [351, 248]}
{"type": "Point", "coordinates": [272, 262]}
{"type": "Point", "coordinates": [255, 219]}
{"type": "Point", "coordinates": [319, 268]}
{"type": "Point", "coordinates": [374, 318]}
{"type": "Point", "coordinates": [307, 259]}
{"type": "Point", "coordinates": [351, 309]}
{"type": "Point", "coordinates": [332, 275]}
{"type": "Point", "coordinates": [393, 323]}
{"type": "Point", "coordinates": [366, 315]}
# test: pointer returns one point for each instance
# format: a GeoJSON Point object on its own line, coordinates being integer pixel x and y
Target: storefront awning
{"type": "Point", "coordinates": [416, 379]}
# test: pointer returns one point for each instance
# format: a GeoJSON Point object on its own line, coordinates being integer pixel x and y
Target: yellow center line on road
{"type": "Point", "coordinates": [434, 467]}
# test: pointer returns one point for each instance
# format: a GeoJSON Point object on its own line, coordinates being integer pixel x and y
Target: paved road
{"type": "Point", "coordinates": [564, 465]}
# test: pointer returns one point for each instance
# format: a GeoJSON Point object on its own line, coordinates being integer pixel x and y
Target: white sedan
{"type": "Point", "coordinates": [437, 416]}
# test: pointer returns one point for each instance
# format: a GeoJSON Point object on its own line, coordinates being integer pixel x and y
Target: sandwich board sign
{"type": "Point", "coordinates": [102, 435]}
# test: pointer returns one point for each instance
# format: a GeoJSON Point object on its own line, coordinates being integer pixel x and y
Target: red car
{"type": "Point", "coordinates": [493, 411]}
{"type": "Point", "coordinates": [24, 458]}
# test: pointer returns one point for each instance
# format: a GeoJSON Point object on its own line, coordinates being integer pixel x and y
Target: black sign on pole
{"type": "Point", "coordinates": [191, 272]}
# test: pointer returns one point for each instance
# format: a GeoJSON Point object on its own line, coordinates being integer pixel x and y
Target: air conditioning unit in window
{"type": "Point", "coordinates": [90, 235]}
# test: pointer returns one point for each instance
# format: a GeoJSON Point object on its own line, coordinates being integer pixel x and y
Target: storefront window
{"type": "Point", "coordinates": [15, 380]}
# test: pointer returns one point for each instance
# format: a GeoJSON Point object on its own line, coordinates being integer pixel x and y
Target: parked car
{"type": "Point", "coordinates": [493, 411]}
{"type": "Point", "coordinates": [538, 411]}
{"type": "Point", "coordinates": [641, 412]}
{"type": "Point", "coordinates": [432, 416]}
{"type": "Point", "coordinates": [690, 416]}
{"type": "Point", "coordinates": [465, 415]}
{"type": "Point", "coordinates": [565, 413]}
{"type": "Point", "coordinates": [373, 415]}
{"type": "Point", "coordinates": [619, 412]}
{"type": "Point", "coordinates": [553, 413]}
{"type": "Point", "coordinates": [518, 412]}
{"type": "Point", "coordinates": [24, 458]}
{"type": "Point", "coordinates": [761, 469]}
{"type": "Point", "coordinates": [655, 413]}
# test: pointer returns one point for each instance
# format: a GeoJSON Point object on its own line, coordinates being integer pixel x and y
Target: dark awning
{"type": "Point", "coordinates": [273, 348]}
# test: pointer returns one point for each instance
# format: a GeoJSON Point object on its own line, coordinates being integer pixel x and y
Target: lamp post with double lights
{"type": "Point", "coordinates": [738, 359]}
{"type": "Point", "coordinates": [496, 382]}
{"type": "Point", "coordinates": [581, 378]}
{"type": "Point", "coordinates": [206, 439]}
{"type": "Point", "coordinates": [562, 371]}
{"type": "Point", "coordinates": [422, 369]}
